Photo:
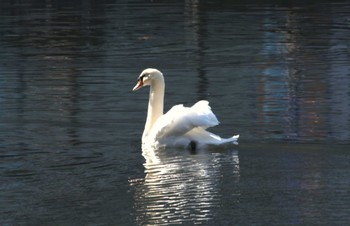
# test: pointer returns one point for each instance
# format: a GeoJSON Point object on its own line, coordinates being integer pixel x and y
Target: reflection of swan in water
{"type": "Point", "coordinates": [180, 187]}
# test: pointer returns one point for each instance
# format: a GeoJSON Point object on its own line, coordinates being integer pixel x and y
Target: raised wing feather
{"type": "Point", "coordinates": [179, 120]}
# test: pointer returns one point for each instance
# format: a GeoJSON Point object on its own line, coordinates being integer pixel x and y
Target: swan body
{"type": "Point", "coordinates": [180, 126]}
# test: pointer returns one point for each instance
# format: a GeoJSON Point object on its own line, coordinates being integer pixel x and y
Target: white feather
{"type": "Point", "coordinates": [180, 125]}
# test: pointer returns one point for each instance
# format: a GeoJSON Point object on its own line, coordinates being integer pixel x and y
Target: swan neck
{"type": "Point", "coordinates": [155, 105]}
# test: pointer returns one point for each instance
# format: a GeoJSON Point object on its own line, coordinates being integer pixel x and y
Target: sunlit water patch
{"type": "Point", "coordinates": [179, 187]}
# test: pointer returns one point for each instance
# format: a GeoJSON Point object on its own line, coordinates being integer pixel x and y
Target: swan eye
{"type": "Point", "coordinates": [143, 77]}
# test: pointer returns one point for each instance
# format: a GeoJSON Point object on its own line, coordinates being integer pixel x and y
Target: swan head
{"type": "Point", "coordinates": [148, 77]}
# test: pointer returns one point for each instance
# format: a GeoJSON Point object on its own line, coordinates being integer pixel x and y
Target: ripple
{"type": "Point", "coordinates": [180, 188]}
{"type": "Point", "coordinates": [70, 127]}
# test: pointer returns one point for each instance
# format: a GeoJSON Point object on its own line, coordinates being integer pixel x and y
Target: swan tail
{"type": "Point", "coordinates": [208, 138]}
{"type": "Point", "coordinates": [230, 140]}
{"type": "Point", "coordinates": [233, 139]}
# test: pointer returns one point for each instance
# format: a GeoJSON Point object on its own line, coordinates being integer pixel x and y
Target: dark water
{"type": "Point", "coordinates": [70, 127]}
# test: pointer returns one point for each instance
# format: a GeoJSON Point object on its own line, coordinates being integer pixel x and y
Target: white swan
{"type": "Point", "coordinates": [180, 126]}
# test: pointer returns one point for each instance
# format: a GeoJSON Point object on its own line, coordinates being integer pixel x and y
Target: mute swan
{"type": "Point", "coordinates": [180, 126]}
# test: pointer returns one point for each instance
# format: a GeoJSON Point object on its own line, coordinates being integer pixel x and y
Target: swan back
{"type": "Point", "coordinates": [178, 123]}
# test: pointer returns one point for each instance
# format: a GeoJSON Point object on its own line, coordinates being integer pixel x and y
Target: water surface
{"type": "Point", "coordinates": [70, 127]}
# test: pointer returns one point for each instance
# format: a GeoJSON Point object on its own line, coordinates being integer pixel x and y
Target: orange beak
{"type": "Point", "coordinates": [139, 84]}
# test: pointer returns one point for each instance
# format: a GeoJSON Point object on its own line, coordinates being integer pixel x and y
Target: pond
{"type": "Point", "coordinates": [70, 126]}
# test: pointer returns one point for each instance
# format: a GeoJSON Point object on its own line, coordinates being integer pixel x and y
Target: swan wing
{"type": "Point", "coordinates": [179, 120]}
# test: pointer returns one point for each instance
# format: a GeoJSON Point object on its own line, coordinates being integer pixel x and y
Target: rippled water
{"type": "Point", "coordinates": [70, 127]}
